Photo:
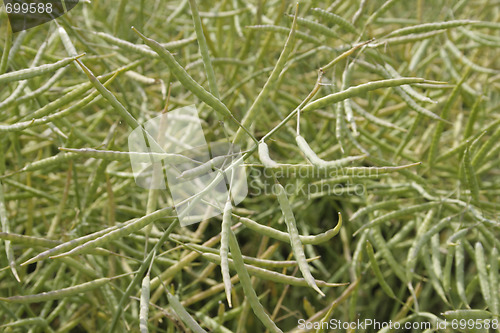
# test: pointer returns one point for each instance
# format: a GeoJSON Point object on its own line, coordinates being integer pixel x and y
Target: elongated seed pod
{"type": "Point", "coordinates": [335, 19]}
{"type": "Point", "coordinates": [183, 314]}
{"type": "Point", "coordinates": [246, 283]}
{"type": "Point", "coordinates": [483, 274]}
{"type": "Point", "coordinates": [444, 114]}
{"type": "Point", "coordinates": [385, 7]}
{"type": "Point", "coordinates": [49, 162]}
{"type": "Point", "coordinates": [470, 175]}
{"type": "Point", "coordinates": [477, 38]}
{"type": "Point", "coordinates": [457, 237]}
{"type": "Point", "coordinates": [320, 163]}
{"type": "Point", "coordinates": [69, 245]}
{"type": "Point", "coordinates": [340, 127]}
{"type": "Point", "coordinates": [346, 104]}
{"type": "Point", "coordinates": [166, 158]}
{"type": "Point", "coordinates": [19, 126]}
{"type": "Point", "coordinates": [409, 100]}
{"type": "Point", "coordinates": [433, 278]}
{"type": "Point", "coordinates": [358, 90]}
{"type": "Point", "coordinates": [143, 269]}
{"type": "Point", "coordinates": [284, 237]}
{"type": "Point", "coordinates": [28, 73]}
{"type": "Point", "coordinates": [456, 75]}
{"type": "Point", "coordinates": [426, 27]}
{"type": "Point", "coordinates": [294, 170]}
{"type": "Point", "coordinates": [381, 245]}
{"type": "Point", "coordinates": [284, 30]}
{"type": "Point", "coordinates": [408, 89]}
{"type": "Point", "coordinates": [214, 163]}
{"type": "Point", "coordinates": [257, 105]}
{"type": "Point", "coordinates": [316, 27]}
{"type": "Point", "coordinates": [376, 206]}
{"type": "Point", "coordinates": [229, 13]}
{"type": "Point", "coordinates": [270, 275]}
{"type": "Point", "coordinates": [478, 105]}
{"type": "Point", "coordinates": [398, 213]}
{"type": "Point", "coordinates": [4, 222]}
{"type": "Point", "coordinates": [125, 45]}
{"type": "Point", "coordinates": [30, 189]}
{"type": "Point", "coordinates": [122, 231]}
{"type": "Point", "coordinates": [258, 262]}
{"type": "Point", "coordinates": [344, 55]}
{"type": "Point", "coordinates": [418, 55]}
{"type": "Point", "coordinates": [129, 119]}
{"type": "Point", "coordinates": [264, 156]}
{"type": "Point", "coordinates": [73, 95]}
{"type": "Point", "coordinates": [407, 39]}
{"type": "Point", "coordinates": [212, 324]}
{"type": "Point", "coordinates": [5, 59]}
{"type": "Point", "coordinates": [412, 257]}
{"type": "Point", "coordinates": [495, 295]}
{"type": "Point", "coordinates": [486, 148]}
{"type": "Point", "coordinates": [466, 314]}
{"type": "Point", "coordinates": [401, 235]}
{"type": "Point", "coordinates": [187, 81]}
{"type": "Point", "coordinates": [144, 305]}
{"type": "Point", "coordinates": [58, 294]}
{"type": "Point", "coordinates": [68, 45]}
{"type": "Point", "coordinates": [202, 43]}
{"type": "Point", "coordinates": [378, 274]}
{"type": "Point", "coordinates": [456, 52]}
{"type": "Point", "coordinates": [436, 255]}
{"type": "Point", "coordinates": [35, 93]}
{"type": "Point", "coordinates": [143, 49]}
{"type": "Point", "coordinates": [460, 148]}
{"type": "Point", "coordinates": [460, 272]}
{"type": "Point", "coordinates": [28, 240]}
{"type": "Point", "coordinates": [236, 86]}
{"type": "Point", "coordinates": [224, 250]}
{"type": "Point", "coordinates": [446, 271]}
{"type": "Point", "coordinates": [22, 85]}
{"type": "Point", "coordinates": [295, 242]}
{"type": "Point", "coordinates": [25, 323]}
{"type": "Point", "coordinates": [372, 119]}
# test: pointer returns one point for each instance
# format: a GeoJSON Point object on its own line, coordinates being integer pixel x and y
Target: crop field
{"type": "Point", "coordinates": [250, 166]}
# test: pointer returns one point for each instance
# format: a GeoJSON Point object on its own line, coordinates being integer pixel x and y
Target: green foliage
{"type": "Point", "coordinates": [398, 101]}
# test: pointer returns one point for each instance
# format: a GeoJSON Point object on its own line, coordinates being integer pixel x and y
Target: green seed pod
{"type": "Point", "coordinates": [295, 239]}
{"type": "Point", "coordinates": [247, 286]}
{"type": "Point", "coordinates": [320, 163]}
{"type": "Point", "coordinates": [460, 273]}
{"type": "Point", "coordinates": [335, 19]}
{"type": "Point", "coordinates": [224, 250]}
{"type": "Point", "coordinates": [358, 90]}
{"type": "Point", "coordinates": [144, 305]}
{"type": "Point", "coordinates": [59, 294]}
{"type": "Point", "coordinates": [316, 27]}
{"type": "Point", "coordinates": [466, 314]}
{"type": "Point", "coordinates": [24, 74]}
{"type": "Point", "coordinates": [483, 275]}
{"type": "Point", "coordinates": [284, 237]}
{"type": "Point", "coordinates": [378, 274]}
{"type": "Point", "coordinates": [264, 156]}
{"type": "Point", "coordinates": [284, 30]}
{"type": "Point", "coordinates": [427, 27]}
{"type": "Point", "coordinates": [183, 314]}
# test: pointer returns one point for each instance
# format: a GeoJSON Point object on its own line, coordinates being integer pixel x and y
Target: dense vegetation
{"type": "Point", "coordinates": [396, 104]}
